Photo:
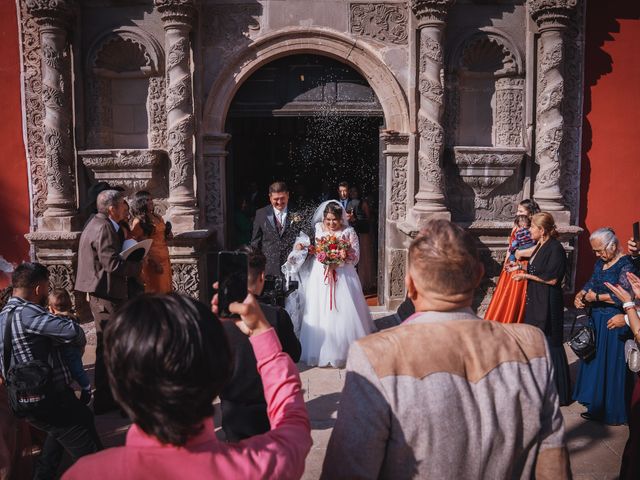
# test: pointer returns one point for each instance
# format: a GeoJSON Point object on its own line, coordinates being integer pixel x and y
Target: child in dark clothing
{"type": "Point", "coordinates": [60, 305]}
{"type": "Point", "coordinates": [522, 238]}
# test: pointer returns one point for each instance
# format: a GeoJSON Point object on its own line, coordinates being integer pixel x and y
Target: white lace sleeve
{"type": "Point", "coordinates": [352, 237]}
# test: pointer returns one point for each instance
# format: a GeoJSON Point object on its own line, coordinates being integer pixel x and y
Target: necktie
{"type": "Point", "coordinates": [279, 221]}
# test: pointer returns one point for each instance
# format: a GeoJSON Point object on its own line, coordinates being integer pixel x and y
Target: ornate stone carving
{"type": "Point", "coordinates": [552, 18]}
{"type": "Point", "coordinates": [178, 16]}
{"type": "Point", "coordinates": [122, 55]}
{"type": "Point", "coordinates": [186, 279]}
{"type": "Point", "coordinates": [570, 150]}
{"type": "Point", "coordinates": [488, 52]}
{"type": "Point", "coordinates": [157, 113]}
{"type": "Point", "coordinates": [131, 169]}
{"type": "Point", "coordinates": [61, 276]}
{"type": "Point", "coordinates": [380, 21]}
{"type": "Point", "coordinates": [398, 207]}
{"type": "Point", "coordinates": [551, 11]}
{"type": "Point", "coordinates": [509, 112]}
{"type": "Point", "coordinates": [431, 10]}
{"type": "Point", "coordinates": [430, 15]}
{"type": "Point", "coordinates": [397, 269]}
{"type": "Point", "coordinates": [52, 17]}
{"type": "Point", "coordinates": [214, 157]}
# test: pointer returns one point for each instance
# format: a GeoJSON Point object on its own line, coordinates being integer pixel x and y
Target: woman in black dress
{"type": "Point", "coordinates": [544, 305]}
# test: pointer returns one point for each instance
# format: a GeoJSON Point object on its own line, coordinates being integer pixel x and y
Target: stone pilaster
{"type": "Point", "coordinates": [215, 158]}
{"type": "Point", "coordinates": [552, 17]}
{"type": "Point", "coordinates": [178, 17]}
{"type": "Point", "coordinates": [430, 15]}
{"type": "Point", "coordinates": [54, 18]}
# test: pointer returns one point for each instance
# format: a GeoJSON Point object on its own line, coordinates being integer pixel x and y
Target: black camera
{"type": "Point", "coordinates": [276, 290]}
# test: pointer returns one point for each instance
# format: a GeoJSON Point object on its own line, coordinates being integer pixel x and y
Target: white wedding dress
{"type": "Point", "coordinates": [328, 328]}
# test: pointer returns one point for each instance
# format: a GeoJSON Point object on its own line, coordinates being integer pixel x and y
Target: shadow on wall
{"type": "Point", "coordinates": [602, 22]}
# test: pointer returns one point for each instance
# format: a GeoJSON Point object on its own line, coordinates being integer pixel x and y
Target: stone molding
{"type": "Point", "coordinates": [397, 272]}
{"type": "Point", "coordinates": [384, 22]}
{"type": "Point", "coordinates": [396, 152]}
{"type": "Point", "coordinates": [177, 12]}
{"type": "Point", "coordinates": [131, 169]}
{"type": "Point", "coordinates": [54, 13]}
{"type": "Point", "coordinates": [215, 156]}
{"type": "Point", "coordinates": [551, 13]}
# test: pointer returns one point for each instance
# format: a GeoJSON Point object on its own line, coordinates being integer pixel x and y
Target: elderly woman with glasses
{"type": "Point", "coordinates": [604, 383]}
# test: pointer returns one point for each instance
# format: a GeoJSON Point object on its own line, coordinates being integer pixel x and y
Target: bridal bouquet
{"type": "Point", "coordinates": [331, 250]}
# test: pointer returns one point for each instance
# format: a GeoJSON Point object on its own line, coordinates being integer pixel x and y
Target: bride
{"type": "Point", "coordinates": [335, 310]}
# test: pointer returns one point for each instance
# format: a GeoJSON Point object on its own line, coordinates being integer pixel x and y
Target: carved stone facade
{"type": "Point", "coordinates": [144, 103]}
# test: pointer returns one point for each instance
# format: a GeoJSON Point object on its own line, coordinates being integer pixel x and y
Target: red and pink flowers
{"type": "Point", "coordinates": [331, 250]}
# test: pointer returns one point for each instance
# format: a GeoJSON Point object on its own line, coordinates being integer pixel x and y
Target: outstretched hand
{"type": "Point", "coordinates": [634, 280]}
{"type": "Point", "coordinates": [619, 292]}
{"type": "Point", "coordinates": [253, 321]}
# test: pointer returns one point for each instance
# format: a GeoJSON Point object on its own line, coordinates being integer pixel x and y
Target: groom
{"type": "Point", "coordinates": [275, 229]}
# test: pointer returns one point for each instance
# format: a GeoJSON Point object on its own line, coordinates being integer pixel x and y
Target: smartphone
{"type": "Point", "coordinates": [233, 270]}
{"type": "Point", "coordinates": [636, 232]}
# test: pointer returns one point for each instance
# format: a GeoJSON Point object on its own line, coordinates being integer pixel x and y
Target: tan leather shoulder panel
{"type": "Point", "coordinates": [467, 348]}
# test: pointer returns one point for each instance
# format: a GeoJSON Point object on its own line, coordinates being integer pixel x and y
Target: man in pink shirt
{"type": "Point", "coordinates": [167, 357]}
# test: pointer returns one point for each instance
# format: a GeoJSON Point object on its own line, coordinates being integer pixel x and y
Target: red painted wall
{"type": "Point", "coordinates": [14, 189]}
{"type": "Point", "coordinates": [610, 178]}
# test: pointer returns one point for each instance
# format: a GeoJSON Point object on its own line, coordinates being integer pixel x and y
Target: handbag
{"type": "Point", "coordinates": [583, 343]}
{"type": "Point", "coordinates": [632, 355]}
{"type": "Point", "coordinates": [29, 384]}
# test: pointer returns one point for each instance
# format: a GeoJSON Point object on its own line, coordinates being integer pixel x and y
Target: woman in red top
{"type": "Point", "coordinates": [508, 301]}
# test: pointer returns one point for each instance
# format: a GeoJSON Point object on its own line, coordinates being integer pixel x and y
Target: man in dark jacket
{"type": "Point", "coordinates": [102, 273]}
{"type": "Point", "coordinates": [244, 409]}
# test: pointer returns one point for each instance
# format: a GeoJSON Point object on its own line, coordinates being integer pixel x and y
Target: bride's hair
{"type": "Point", "coordinates": [333, 208]}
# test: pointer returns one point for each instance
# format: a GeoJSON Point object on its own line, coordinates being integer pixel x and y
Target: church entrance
{"type": "Point", "coordinates": [312, 122]}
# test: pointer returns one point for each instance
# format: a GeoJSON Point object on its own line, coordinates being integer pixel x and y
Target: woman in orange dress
{"type": "Point", "coordinates": [509, 298]}
{"type": "Point", "coordinates": [156, 270]}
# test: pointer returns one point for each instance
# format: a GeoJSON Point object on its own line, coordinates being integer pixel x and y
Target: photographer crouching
{"type": "Point", "coordinates": [244, 408]}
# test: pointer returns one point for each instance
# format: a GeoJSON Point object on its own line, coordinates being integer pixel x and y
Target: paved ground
{"type": "Point", "coordinates": [595, 449]}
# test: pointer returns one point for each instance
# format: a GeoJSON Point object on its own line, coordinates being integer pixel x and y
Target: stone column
{"type": "Point", "coordinates": [54, 18]}
{"type": "Point", "coordinates": [552, 17]}
{"type": "Point", "coordinates": [178, 17]}
{"type": "Point", "coordinates": [430, 15]}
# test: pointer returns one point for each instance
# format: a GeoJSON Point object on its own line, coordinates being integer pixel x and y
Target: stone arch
{"type": "Point", "coordinates": [487, 49]}
{"type": "Point", "coordinates": [291, 41]}
{"type": "Point", "coordinates": [125, 50]}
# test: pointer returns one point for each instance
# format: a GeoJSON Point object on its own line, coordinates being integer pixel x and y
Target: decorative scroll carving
{"type": "Point", "coordinates": [178, 16]}
{"type": "Point", "coordinates": [122, 55]}
{"type": "Point", "coordinates": [53, 18]}
{"type": "Point", "coordinates": [61, 276]}
{"type": "Point", "coordinates": [570, 150]}
{"type": "Point", "coordinates": [398, 208]}
{"type": "Point", "coordinates": [398, 266]}
{"type": "Point", "coordinates": [431, 10]}
{"type": "Point", "coordinates": [510, 112]}
{"type": "Point", "coordinates": [430, 15]}
{"type": "Point", "coordinates": [487, 52]}
{"type": "Point", "coordinates": [215, 158]}
{"type": "Point", "coordinates": [552, 17]}
{"type": "Point", "coordinates": [157, 113]}
{"type": "Point", "coordinates": [380, 21]}
{"type": "Point", "coordinates": [186, 279]}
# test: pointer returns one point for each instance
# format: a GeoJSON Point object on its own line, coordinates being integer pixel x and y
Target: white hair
{"type": "Point", "coordinates": [108, 198]}
{"type": "Point", "coordinates": [607, 237]}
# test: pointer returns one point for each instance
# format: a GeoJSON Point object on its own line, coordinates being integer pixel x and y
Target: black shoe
{"type": "Point", "coordinates": [85, 396]}
{"type": "Point", "coordinates": [588, 416]}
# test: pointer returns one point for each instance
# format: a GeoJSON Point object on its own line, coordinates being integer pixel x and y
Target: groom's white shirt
{"type": "Point", "coordinates": [282, 212]}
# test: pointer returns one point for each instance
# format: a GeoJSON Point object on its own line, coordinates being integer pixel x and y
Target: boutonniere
{"type": "Point", "coordinates": [296, 218]}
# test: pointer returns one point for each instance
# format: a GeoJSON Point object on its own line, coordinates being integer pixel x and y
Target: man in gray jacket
{"type": "Point", "coordinates": [478, 402]}
{"type": "Point", "coordinates": [102, 273]}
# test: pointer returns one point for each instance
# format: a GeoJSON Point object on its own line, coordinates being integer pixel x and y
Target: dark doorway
{"type": "Point", "coordinates": [312, 122]}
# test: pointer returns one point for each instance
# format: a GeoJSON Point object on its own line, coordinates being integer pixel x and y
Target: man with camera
{"type": "Point", "coordinates": [244, 408]}
{"type": "Point", "coordinates": [35, 374]}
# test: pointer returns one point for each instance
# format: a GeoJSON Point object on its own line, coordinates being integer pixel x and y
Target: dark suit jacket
{"type": "Point", "coordinates": [275, 246]}
{"type": "Point", "coordinates": [101, 270]}
{"type": "Point", "coordinates": [244, 409]}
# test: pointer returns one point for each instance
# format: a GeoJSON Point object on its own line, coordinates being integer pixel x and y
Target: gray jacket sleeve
{"type": "Point", "coordinates": [553, 458]}
{"type": "Point", "coordinates": [357, 445]}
